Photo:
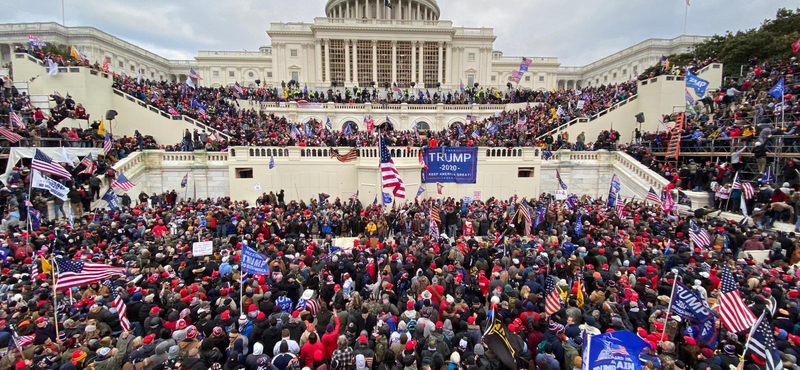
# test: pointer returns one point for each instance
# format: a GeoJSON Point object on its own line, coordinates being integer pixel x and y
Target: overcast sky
{"type": "Point", "coordinates": [578, 32]}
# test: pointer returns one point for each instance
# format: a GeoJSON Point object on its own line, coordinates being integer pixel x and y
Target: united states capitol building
{"type": "Point", "coordinates": [357, 43]}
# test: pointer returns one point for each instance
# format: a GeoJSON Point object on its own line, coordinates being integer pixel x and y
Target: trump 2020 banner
{"type": "Point", "coordinates": [458, 165]}
{"type": "Point", "coordinates": [612, 351]}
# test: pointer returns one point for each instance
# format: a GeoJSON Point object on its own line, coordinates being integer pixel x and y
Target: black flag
{"type": "Point", "coordinates": [388, 3]}
{"type": "Point", "coordinates": [506, 345]}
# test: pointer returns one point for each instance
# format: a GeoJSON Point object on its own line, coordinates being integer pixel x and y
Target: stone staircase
{"type": "Point", "coordinates": [37, 101]}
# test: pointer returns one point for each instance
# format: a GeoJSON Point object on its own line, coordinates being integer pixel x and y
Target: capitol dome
{"type": "Point", "coordinates": [409, 10]}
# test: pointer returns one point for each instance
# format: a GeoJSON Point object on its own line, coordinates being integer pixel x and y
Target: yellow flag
{"type": "Point", "coordinates": [46, 268]}
{"type": "Point", "coordinates": [75, 54]}
{"type": "Point", "coordinates": [101, 130]}
{"type": "Point", "coordinates": [579, 297]}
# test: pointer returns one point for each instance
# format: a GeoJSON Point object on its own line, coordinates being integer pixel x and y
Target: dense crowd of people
{"type": "Point", "coordinates": [404, 295]}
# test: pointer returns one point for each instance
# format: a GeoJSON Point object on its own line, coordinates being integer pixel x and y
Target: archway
{"type": "Point", "coordinates": [422, 126]}
{"type": "Point", "coordinates": [353, 126]}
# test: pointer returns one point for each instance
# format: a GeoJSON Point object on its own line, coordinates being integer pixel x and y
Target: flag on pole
{"type": "Point", "coordinates": [107, 143]}
{"type": "Point", "coordinates": [271, 162]}
{"type": "Point", "coordinates": [189, 82]}
{"type": "Point", "coordinates": [185, 180]}
{"type": "Point", "coordinates": [620, 208]}
{"type": "Point", "coordinates": [560, 182]}
{"type": "Point", "coordinates": [122, 183]}
{"type": "Point", "coordinates": [439, 188]}
{"type": "Point", "coordinates": [552, 301]}
{"type": "Point", "coordinates": [734, 313]}
{"type": "Point", "coordinates": [52, 67]}
{"type": "Point", "coordinates": [578, 224]}
{"type": "Point", "coordinates": [238, 88]}
{"type": "Point", "coordinates": [41, 162]}
{"type": "Point", "coordinates": [652, 196]}
{"type": "Point", "coordinates": [572, 202]}
{"type": "Point", "coordinates": [122, 310]}
{"type": "Point", "coordinates": [666, 201]}
{"type": "Point", "coordinates": [526, 213]}
{"type": "Point", "coordinates": [390, 177]}
{"type": "Point", "coordinates": [748, 192]}
{"type": "Point", "coordinates": [419, 192]}
{"type": "Point", "coordinates": [613, 190]}
{"type": "Point", "coordinates": [12, 136]}
{"type": "Point", "coordinates": [105, 65]}
{"type": "Point", "coordinates": [16, 120]}
{"type": "Point", "coordinates": [111, 198]}
{"type": "Point", "coordinates": [34, 41]}
{"type": "Point", "coordinates": [796, 46]}
{"type": "Point", "coordinates": [101, 129]}
{"type": "Point", "coordinates": [777, 90]}
{"type": "Point", "coordinates": [505, 344]}
{"type": "Point", "coordinates": [698, 236]}
{"type": "Point", "coordinates": [194, 75]}
{"type": "Point", "coordinates": [525, 64]}
{"type": "Point", "coordinates": [76, 54]}
{"type": "Point", "coordinates": [88, 165]}
{"type": "Point", "coordinates": [762, 342]}
{"type": "Point", "coordinates": [72, 273]}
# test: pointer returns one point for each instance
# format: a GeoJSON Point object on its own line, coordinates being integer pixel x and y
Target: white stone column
{"type": "Point", "coordinates": [347, 14]}
{"type": "Point", "coordinates": [413, 61]}
{"type": "Point", "coordinates": [378, 12]}
{"type": "Point", "coordinates": [417, 17]}
{"type": "Point", "coordinates": [318, 58]}
{"type": "Point", "coordinates": [394, 61]}
{"type": "Point", "coordinates": [439, 71]}
{"type": "Point", "coordinates": [375, 61]}
{"type": "Point", "coordinates": [421, 80]}
{"type": "Point", "coordinates": [327, 60]}
{"type": "Point", "coordinates": [355, 60]}
{"type": "Point", "coordinates": [346, 60]}
{"type": "Point", "coordinates": [449, 74]}
{"type": "Point", "coordinates": [410, 8]}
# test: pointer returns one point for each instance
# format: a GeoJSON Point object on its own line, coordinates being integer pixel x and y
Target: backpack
{"type": "Point", "coordinates": [429, 357]}
{"type": "Point", "coordinates": [411, 324]}
{"type": "Point", "coordinates": [540, 347]}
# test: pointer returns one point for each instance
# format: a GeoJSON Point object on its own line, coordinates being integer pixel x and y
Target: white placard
{"type": "Point", "coordinates": [257, 187]}
{"type": "Point", "coordinates": [476, 195]}
{"type": "Point", "coordinates": [561, 194]}
{"type": "Point", "coordinates": [467, 200]}
{"type": "Point", "coordinates": [203, 248]}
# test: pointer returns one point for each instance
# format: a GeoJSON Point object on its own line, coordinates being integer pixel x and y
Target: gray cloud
{"type": "Point", "coordinates": [577, 31]}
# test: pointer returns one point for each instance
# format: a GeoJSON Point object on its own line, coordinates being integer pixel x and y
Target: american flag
{"type": "Point", "coordinates": [351, 155]}
{"type": "Point", "coordinates": [122, 183]}
{"type": "Point", "coordinates": [172, 111]}
{"type": "Point", "coordinates": [10, 135]}
{"type": "Point", "coordinates": [475, 135]}
{"type": "Point", "coordinates": [72, 273]}
{"type": "Point", "coordinates": [294, 133]}
{"type": "Point", "coordinates": [434, 230]}
{"type": "Point", "coordinates": [735, 315]}
{"type": "Point", "coordinates": [762, 342]}
{"type": "Point", "coordinates": [41, 162]}
{"type": "Point", "coordinates": [105, 65]}
{"type": "Point", "coordinates": [699, 236]}
{"type": "Point", "coordinates": [35, 269]}
{"type": "Point", "coordinates": [435, 213]}
{"type": "Point", "coordinates": [238, 88]}
{"type": "Point", "coordinates": [22, 341]}
{"type": "Point", "coordinates": [88, 165]}
{"type": "Point", "coordinates": [185, 180]}
{"type": "Point", "coordinates": [107, 144]}
{"type": "Point", "coordinates": [439, 188]}
{"type": "Point", "coordinates": [194, 74]}
{"type": "Point", "coordinates": [747, 189]}
{"type": "Point", "coordinates": [653, 196]}
{"type": "Point", "coordinates": [16, 120]}
{"type": "Point", "coordinates": [390, 178]}
{"type": "Point", "coordinates": [572, 202]}
{"type": "Point", "coordinates": [526, 213]}
{"type": "Point", "coordinates": [620, 208]}
{"type": "Point", "coordinates": [560, 182]}
{"type": "Point", "coordinates": [122, 310]}
{"type": "Point", "coordinates": [552, 300]}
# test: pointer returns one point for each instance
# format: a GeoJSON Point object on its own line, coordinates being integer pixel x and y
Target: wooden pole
{"type": "Point", "coordinates": [55, 294]}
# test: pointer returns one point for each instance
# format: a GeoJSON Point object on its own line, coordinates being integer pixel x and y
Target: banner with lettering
{"type": "Point", "coordinates": [451, 164]}
{"type": "Point", "coordinates": [688, 304]}
{"type": "Point", "coordinates": [254, 262]}
{"type": "Point", "coordinates": [614, 351]}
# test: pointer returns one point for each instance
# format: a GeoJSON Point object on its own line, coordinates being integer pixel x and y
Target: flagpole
{"type": "Point", "coordinates": [55, 293]}
{"type": "Point", "coordinates": [669, 308]}
{"type": "Point", "coordinates": [685, 16]}
{"type": "Point", "coordinates": [728, 201]}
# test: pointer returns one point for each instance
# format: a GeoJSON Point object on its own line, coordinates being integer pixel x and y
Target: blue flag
{"type": "Point", "coordinates": [36, 218]}
{"type": "Point", "coordinates": [687, 304]}
{"type": "Point", "coordinates": [492, 128]}
{"type": "Point", "coordinates": [111, 198]}
{"type": "Point", "coordinates": [698, 84]}
{"type": "Point", "coordinates": [419, 191]}
{"type": "Point", "coordinates": [460, 130]}
{"type": "Point", "coordinates": [777, 90]}
{"type": "Point", "coordinates": [578, 224]}
{"type": "Point", "coordinates": [768, 177]}
{"type": "Point", "coordinates": [348, 130]}
{"type": "Point", "coordinates": [305, 89]}
{"type": "Point", "coordinates": [271, 162]}
{"type": "Point", "coordinates": [329, 124]}
{"type": "Point", "coordinates": [572, 202]}
{"type": "Point", "coordinates": [615, 350]}
{"type": "Point", "coordinates": [613, 191]}
{"type": "Point", "coordinates": [254, 262]}
{"type": "Point", "coordinates": [689, 99]}
{"type": "Point", "coordinates": [387, 198]}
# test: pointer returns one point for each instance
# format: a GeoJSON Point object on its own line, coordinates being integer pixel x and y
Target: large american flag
{"type": "Point", "coordinates": [666, 201]}
{"type": "Point", "coordinates": [107, 143]}
{"type": "Point", "coordinates": [435, 213]}
{"type": "Point", "coordinates": [747, 189]}
{"type": "Point", "coordinates": [22, 341]}
{"type": "Point", "coordinates": [620, 208]}
{"type": "Point", "coordinates": [560, 182]}
{"type": "Point", "coordinates": [122, 310]}
{"type": "Point", "coordinates": [351, 155]}
{"type": "Point", "coordinates": [653, 196]}
{"type": "Point", "coordinates": [735, 315]}
{"type": "Point", "coordinates": [699, 236]}
{"type": "Point", "coordinates": [88, 165]}
{"type": "Point", "coordinates": [41, 162]}
{"type": "Point", "coordinates": [72, 273]}
{"type": "Point", "coordinates": [390, 178]}
{"type": "Point", "coordinates": [194, 74]}
{"type": "Point", "coordinates": [16, 120]}
{"type": "Point", "coordinates": [10, 135]}
{"type": "Point", "coordinates": [526, 213]}
{"type": "Point", "coordinates": [762, 342]}
{"type": "Point", "coordinates": [552, 300]}
{"type": "Point", "coordinates": [122, 183]}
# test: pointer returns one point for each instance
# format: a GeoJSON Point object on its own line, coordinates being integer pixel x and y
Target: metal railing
{"type": "Point", "coordinates": [51, 143]}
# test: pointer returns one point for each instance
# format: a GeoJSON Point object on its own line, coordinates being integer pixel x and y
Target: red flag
{"type": "Point", "coordinates": [796, 46]}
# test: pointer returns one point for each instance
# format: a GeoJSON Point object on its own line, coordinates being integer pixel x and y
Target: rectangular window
{"type": "Point", "coordinates": [215, 74]}
{"type": "Point", "coordinates": [133, 68]}
{"type": "Point", "coordinates": [403, 63]}
{"type": "Point", "coordinates": [231, 74]}
{"type": "Point", "coordinates": [470, 80]}
{"type": "Point", "coordinates": [244, 173]}
{"type": "Point", "coordinates": [364, 62]}
{"type": "Point", "coordinates": [295, 75]}
{"type": "Point", "coordinates": [121, 64]}
{"type": "Point", "coordinates": [384, 54]}
{"type": "Point", "coordinates": [471, 57]}
{"type": "Point", "coordinates": [615, 75]}
{"type": "Point", "coordinates": [541, 78]}
{"type": "Point", "coordinates": [293, 52]}
{"type": "Point", "coordinates": [444, 65]}
{"type": "Point", "coordinates": [525, 171]}
{"type": "Point", "coordinates": [527, 78]}
{"type": "Point", "coordinates": [625, 71]}
{"type": "Point", "coordinates": [269, 74]}
{"type": "Point", "coordinates": [337, 61]}
{"type": "Point", "coordinates": [494, 78]}
{"type": "Point", "coordinates": [430, 67]}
